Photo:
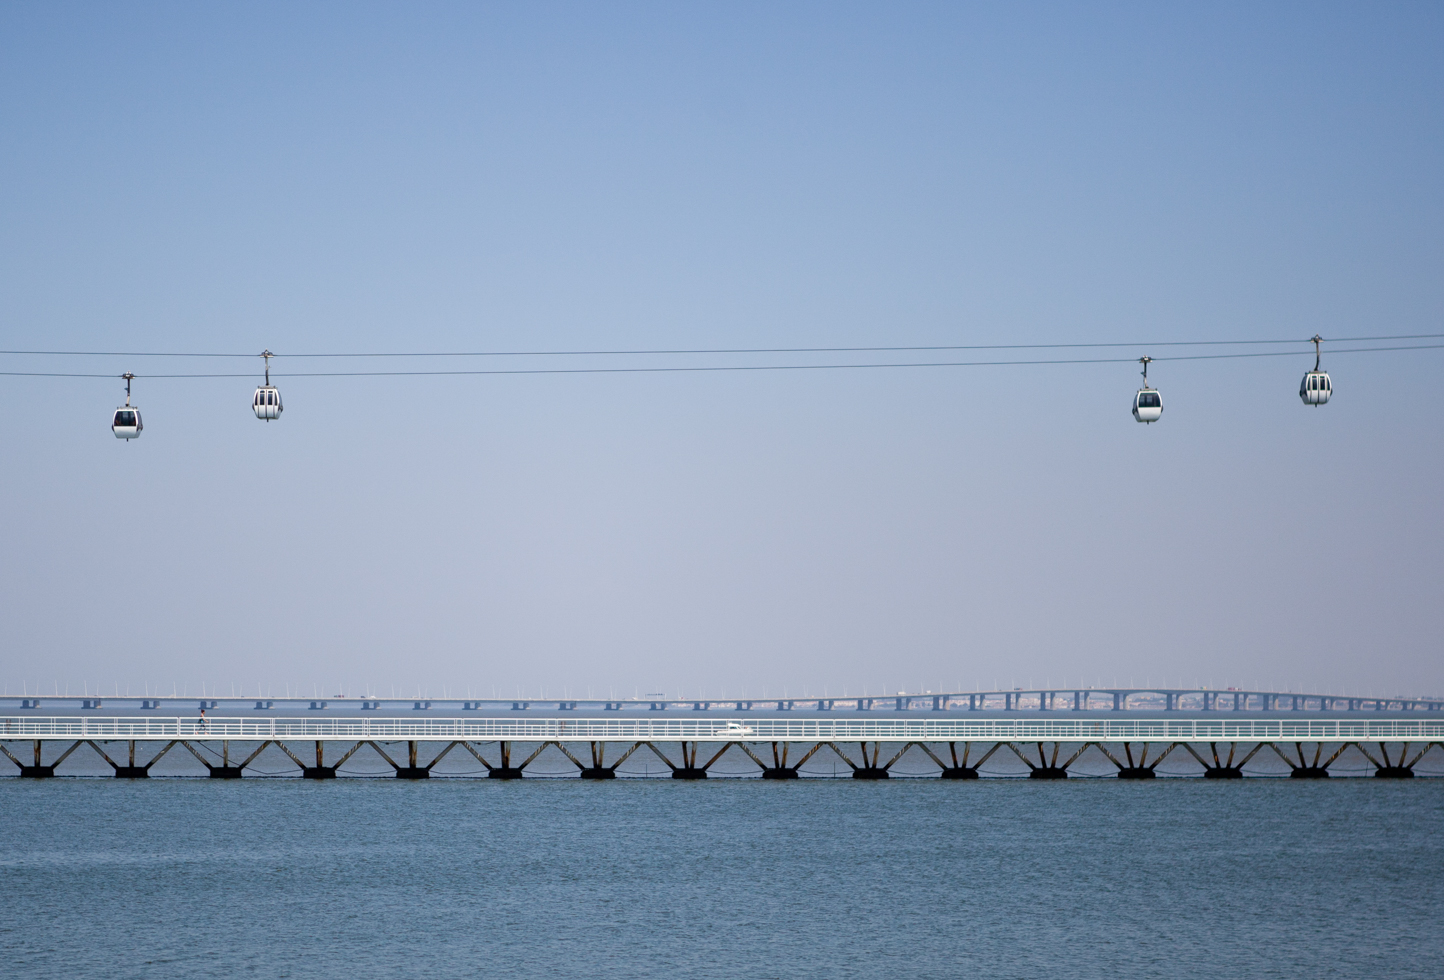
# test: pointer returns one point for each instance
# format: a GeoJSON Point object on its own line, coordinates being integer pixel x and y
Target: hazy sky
{"type": "Point", "coordinates": [444, 177]}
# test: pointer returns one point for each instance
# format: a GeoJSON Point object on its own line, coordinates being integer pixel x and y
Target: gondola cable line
{"type": "Point", "coordinates": [724, 350]}
{"type": "Point", "coordinates": [1315, 389]}
{"type": "Point", "coordinates": [704, 368]}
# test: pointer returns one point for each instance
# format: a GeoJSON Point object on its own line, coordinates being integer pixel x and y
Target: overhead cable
{"type": "Point", "coordinates": [729, 350]}
{"type": "Point", "coordinates": [709, 368]}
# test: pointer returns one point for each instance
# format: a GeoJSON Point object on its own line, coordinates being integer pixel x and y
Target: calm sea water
{"type": "Point", "coordinates": [836, 879]}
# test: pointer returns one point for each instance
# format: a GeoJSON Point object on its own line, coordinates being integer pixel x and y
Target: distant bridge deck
{"type": "Point", "coordinates": [1046, 699]}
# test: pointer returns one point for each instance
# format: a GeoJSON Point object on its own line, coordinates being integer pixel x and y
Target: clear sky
{"type": "Point", "coordinates": [353, 177]}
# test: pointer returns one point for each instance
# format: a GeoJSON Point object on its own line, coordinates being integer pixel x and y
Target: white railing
{"type": "Point", "coordinates": [744, 730]}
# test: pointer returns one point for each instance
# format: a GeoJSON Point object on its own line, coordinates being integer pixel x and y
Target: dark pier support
{"type": "Point", "coordinates": [1047, 767]}
{"type": "Point", "coordinates": [599, 768]}
{"type": "Point", "coordinates": [689, 768]}
{"type": "Point", "coordinates": [1136, 769]}
{"type": "Point", "coordinates": [1225, 768]}
{"type": "Point", "coordinates": [412, 769]}
{"type": "Point", "coordinates": [225, 770]}
{"type": "Point", "coordinates": [39, 770]}
{"type": "Point", "coordinates": [131, 770]}
{"type": "Point", "coordinates": [320, 770]}
{"type": "Point", "coordinates": [505, 770]}
{"type": "Point", "coordinates": [870, 768]}
{"type": "Point", "coordinates": [779, 768]}
{"type": "Point", "coordinates": [1304, 768]}
{"type": "Point", "coordinates": [1400, 768]}
{"type": "Point", "coordinates": [960, 768]}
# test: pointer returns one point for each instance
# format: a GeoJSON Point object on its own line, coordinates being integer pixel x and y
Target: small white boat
{"type": "Point", "coordinates": [733, 729]}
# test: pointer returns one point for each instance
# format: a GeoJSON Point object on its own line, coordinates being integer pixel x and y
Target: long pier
{"type": "Point", "coordinates": [1217, 746]}
{"type": "Point", "coordinates": [729, 729]}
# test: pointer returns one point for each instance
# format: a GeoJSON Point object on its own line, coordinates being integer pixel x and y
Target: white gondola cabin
{"type": "Point", "coordinates": [126, 423]}
{"type": "Point", "coordinates": [1316, 387]}
{"type": "Point", "coordinates": [266, 403]}
{"type": "Point", "coordinates": [1147, 402]}
{"type": "Point", "coordinates": [1147, 405]}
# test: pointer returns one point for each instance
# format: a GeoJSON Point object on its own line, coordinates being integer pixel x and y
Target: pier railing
{"type": "Point", "coordinates": [725, 730]}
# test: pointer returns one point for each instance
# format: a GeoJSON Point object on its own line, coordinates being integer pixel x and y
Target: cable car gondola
{"type": "Point", "coordinates": [267, 401]}
{"type": "Point", "coordinates": [1316, 387]}
{"type": "Point", "coordinates": [1148, 403]}
{"type": "Point", "coordinates": [126, 423]}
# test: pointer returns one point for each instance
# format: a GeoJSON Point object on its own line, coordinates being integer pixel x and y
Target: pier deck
{"type": "Point", "coordinates": [779, 744]}
{"type": "Point", "coordinates": [716, 729]}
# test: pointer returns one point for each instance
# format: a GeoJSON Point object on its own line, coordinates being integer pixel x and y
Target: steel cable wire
{"type": "Point", "coordinates": [726, 350]}
{"type": "Point", "coordinates": [715, 368]}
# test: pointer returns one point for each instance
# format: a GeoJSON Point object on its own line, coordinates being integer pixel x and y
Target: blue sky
{"type": "Point", "coordinates": [547, 177]}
